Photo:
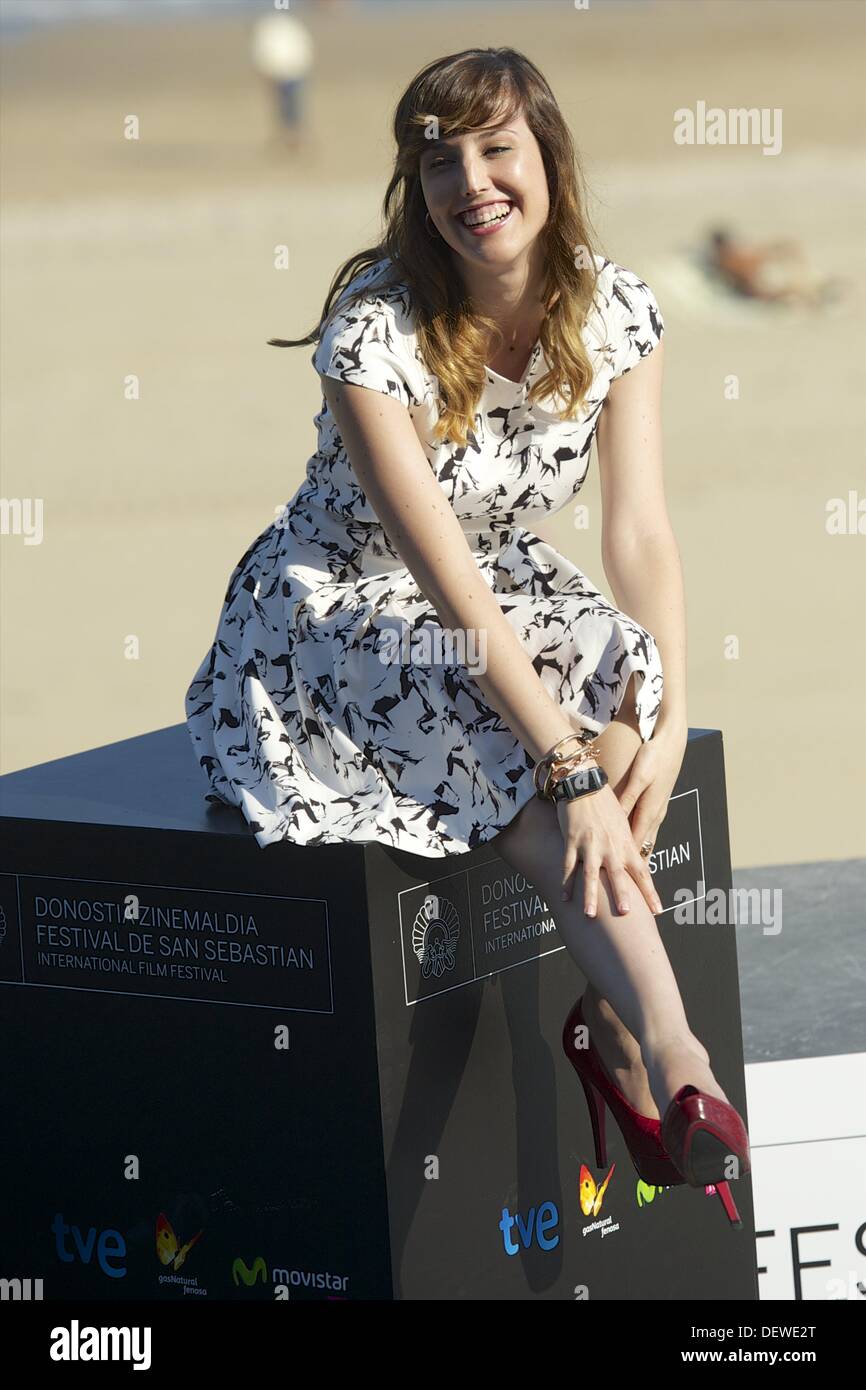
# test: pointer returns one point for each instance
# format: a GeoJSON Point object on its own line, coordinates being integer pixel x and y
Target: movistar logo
{"type": "Point", "coordinates": [242, 1274]}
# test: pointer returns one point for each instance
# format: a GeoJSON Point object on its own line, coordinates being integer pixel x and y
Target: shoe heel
{"type": "Point", "coordinates": [596, 1107]}
{"type": "Point", "coordinates": [729, 1204]}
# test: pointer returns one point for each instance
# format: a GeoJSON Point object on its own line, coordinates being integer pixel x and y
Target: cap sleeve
{"type": "Point", "coordinates": [372, 343]}
{"type": "Point", "coordinates": [635, 324]}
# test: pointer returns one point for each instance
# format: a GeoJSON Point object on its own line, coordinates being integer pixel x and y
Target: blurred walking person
{"type": "Point", "coordinates": [282, 52]}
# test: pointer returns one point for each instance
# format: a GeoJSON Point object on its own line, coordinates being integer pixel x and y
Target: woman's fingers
{"type": "Point", "coordinates": [621, 885]}
{"type": "Point", "coordinates": [599, 836]}
{"type": "Point", "coordinates": [639, 870]}
{"type": "Point", "coordinates": [591, 867]}
{"type": "Point", "coordinates": [631, 793]}
{"type": "Point", "coordinates": [644, 821]}
{"type": "Point", "coordinates": [622, 878]}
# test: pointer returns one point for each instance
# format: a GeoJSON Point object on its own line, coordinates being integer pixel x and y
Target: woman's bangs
{"type": "Point", "coordinates": [475, 108]}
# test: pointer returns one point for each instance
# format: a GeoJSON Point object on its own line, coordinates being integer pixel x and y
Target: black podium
{"type": "Point", "coordinates": [327, 1073]}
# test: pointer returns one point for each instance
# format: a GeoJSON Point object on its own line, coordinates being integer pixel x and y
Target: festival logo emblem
{"type": "Point", "coordinates": [435, 934]}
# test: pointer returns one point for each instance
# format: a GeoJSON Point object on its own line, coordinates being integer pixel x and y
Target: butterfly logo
{"type": "Point", "coordinates": [168, 1248]}
{"type": "Point", "coordinates": [591, 1196]}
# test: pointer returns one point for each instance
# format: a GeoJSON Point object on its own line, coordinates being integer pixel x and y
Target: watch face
{"type": "Point", "coordinates": [578, 783]}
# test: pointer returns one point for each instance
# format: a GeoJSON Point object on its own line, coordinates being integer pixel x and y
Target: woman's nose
{"type": "Point", "coordinates": [473, 175]}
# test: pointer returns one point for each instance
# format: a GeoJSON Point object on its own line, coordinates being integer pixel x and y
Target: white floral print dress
{"type": "Point", "coordinates": [310, 715]}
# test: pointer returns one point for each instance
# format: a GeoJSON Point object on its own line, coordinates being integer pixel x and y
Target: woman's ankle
{"type": "Point", "coordinates": [676, 1062]}
{"type": "Point", "coordinates": [658, 1048]}
{"type": "Point", "coordinates": [599, 1013]}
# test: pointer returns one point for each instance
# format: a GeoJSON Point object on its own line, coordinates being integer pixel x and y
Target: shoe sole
{"type": "Point", "coordinates": [708, 1159]}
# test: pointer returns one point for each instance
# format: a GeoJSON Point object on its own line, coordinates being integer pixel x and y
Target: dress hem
{"type": "Point", "coordinates": [525, 790]}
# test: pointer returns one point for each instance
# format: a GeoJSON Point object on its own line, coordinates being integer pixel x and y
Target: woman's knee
{"type": "Point", "coordinates": [627, 712]}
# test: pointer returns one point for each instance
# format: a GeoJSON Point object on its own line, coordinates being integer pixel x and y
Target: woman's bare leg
{"type": "Point", "coordinates": [632, 1005]}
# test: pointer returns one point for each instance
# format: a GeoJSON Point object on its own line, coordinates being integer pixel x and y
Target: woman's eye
{"type": "Point", "coordinates": [440, 159]}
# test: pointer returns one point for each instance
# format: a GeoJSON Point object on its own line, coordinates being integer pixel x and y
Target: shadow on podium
{"type": "Point", "coordinates": [331, 1072]}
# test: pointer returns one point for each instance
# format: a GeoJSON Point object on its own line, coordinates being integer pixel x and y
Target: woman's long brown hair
{"type": "Point", "coordinates": [464, 92]}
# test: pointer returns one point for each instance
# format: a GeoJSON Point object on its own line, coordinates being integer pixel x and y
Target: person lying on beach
{"type": "Point", "coordinates": [774, 272]}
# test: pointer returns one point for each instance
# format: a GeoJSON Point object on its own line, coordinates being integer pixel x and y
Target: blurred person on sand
{"type": "Point", "coordinates": [775, 272]}
{"type": "Point", "coordinates": [468, 362]}
{"type": "Point", "coordinates": [282, 52]}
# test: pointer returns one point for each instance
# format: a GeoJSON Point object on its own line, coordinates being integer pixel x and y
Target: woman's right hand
{"type": "Point", "coordinates": [595, 829]}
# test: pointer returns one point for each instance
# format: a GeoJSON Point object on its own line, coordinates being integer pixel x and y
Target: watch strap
{"type": "Point", "coordinates": [582, 782]}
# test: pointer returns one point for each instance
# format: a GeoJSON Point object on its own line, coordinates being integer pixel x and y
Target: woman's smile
{"type": "Point", "coordinates": [487, 218]}
{"type": "Point", "coordinates": [490, 182]}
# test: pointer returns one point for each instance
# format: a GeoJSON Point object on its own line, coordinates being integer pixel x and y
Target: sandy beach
{"type": "Point", "coordinates": [154, 259]}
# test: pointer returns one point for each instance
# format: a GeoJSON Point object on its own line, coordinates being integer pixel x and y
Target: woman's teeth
{"type": "Point", "coordinates": [483, 217]}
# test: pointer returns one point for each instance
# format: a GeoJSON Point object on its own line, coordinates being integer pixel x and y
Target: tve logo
{"type": "Point", "coordinates": [536, 1227]}
{"type": "Point", "coordinates": [110, 1246]}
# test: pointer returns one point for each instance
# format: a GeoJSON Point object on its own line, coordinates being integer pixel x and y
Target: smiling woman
{"type": "Point", "coordinates": [468, 362]}
{"type": "Point", "coordinates": [516, 173]}
{"type": "Point", "coordinates": [519, 197]}
{"type": "Point", "coordinates": [497, 340]}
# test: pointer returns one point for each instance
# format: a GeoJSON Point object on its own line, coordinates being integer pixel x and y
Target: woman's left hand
{"type": "Point", "coordinates": [654, 770]}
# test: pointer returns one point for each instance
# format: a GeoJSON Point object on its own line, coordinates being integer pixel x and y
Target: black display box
{"type": "Point", "coordinates": [323, 1073]}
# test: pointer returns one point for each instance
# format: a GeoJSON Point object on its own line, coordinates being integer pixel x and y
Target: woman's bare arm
{"type": "Point", "coordinates": [638, 547]}
{"type": "Point", "coordinates": [421, 524]}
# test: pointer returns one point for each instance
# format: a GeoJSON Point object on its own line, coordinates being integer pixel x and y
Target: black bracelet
{"type": "Point", "coordinates": [579, 783]}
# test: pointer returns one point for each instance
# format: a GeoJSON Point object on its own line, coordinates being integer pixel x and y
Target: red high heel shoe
{"type": "Point", "coordinates": [702, 1134]}
{"type": "Point", "coordinates": [689, 1125]}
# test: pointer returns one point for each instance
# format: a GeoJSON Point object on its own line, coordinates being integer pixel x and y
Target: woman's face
{"type": "Point", "coordinates": [498, 172]}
